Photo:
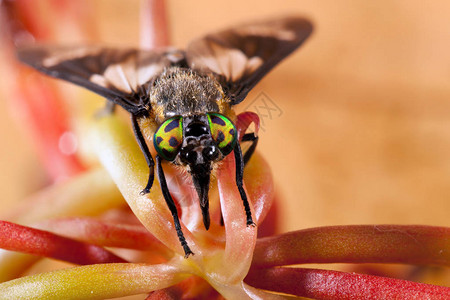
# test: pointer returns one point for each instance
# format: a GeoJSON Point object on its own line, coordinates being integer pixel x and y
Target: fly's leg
{"type": "Point", "coordinates": [252, 138]}
{"type": "Point", "coordinates": [246, 157]}
{"type": "Point", "coordinates": [172, 207]}
{"type": "Point", "coordinates": [239, 182]}
{"type": "Point", "coordinates": [147, 154]}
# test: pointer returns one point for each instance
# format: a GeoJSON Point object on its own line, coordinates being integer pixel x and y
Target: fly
{"type": "Point", "coordinates": [187, 95]}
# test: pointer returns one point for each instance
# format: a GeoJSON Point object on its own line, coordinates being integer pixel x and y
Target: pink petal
{"type": "Point", "coordinates": [240, 238]}
{"type": "Point", "coordinates": [154, 30]}
{"type": "Point", "coordinates": [259, 185]}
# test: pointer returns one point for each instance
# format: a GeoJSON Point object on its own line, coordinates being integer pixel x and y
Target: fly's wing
{"type": "Point", "coordinates": [119, 75]}
{"type": "Point", "coordinates": [241, 56]}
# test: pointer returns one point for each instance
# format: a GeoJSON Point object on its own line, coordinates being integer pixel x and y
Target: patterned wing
{"type": "Point", "coordinates": [119, 75]}
{"type": "Point", "coordinates": [241, 56]}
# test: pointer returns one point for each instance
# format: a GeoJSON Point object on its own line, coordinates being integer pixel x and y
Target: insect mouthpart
{"type": "Point", "coordinates": [199, 152]}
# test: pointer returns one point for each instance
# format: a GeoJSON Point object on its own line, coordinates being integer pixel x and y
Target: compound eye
{"type": "Point", "coordinates": [168, 138]}
{"type": "Point", "coordinates": [223, 132]}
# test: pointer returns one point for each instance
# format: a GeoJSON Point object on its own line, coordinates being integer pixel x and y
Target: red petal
{"type": "Point", "coordinates": [244, 120]}
{"type": "Point", "coordinates": [192, 288]}
{"type": "Point", "coordinates": [356, 244]}
{"type": "Point", "coordinates": [325, 284]}
{"type": "Point", "coordinates": [104, 234]}
{"type": "Point", "coordinates": [37, 242]}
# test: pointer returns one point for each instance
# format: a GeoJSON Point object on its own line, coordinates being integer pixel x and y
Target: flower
{"type": "Point", "coordinates": [229, 259]}
{"type": "Point", "coordinates": [127, 250]}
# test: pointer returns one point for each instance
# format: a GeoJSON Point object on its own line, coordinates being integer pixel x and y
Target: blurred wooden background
{"type": "Point", "coordinates": [361, 127]}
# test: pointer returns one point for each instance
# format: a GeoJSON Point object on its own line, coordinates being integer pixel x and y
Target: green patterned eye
{"type": "Point", "coordinates": [168, 138]}
{"type": "Point", "coordinates": [223, 132]}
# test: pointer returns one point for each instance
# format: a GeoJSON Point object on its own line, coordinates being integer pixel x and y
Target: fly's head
{"type": "Point", "coordinates": [196, 142]}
